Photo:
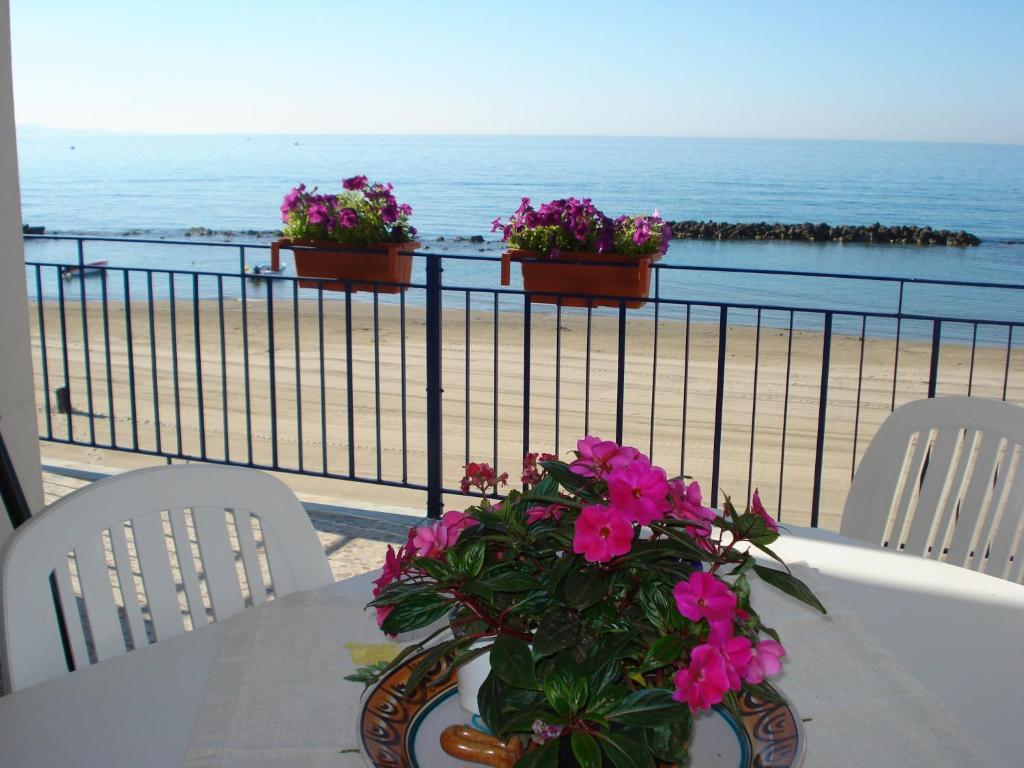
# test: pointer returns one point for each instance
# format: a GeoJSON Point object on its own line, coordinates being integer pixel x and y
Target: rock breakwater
{"type": "Point", "coordinates": [821, 233]}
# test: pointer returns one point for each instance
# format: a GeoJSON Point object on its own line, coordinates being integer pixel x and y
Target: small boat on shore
{"type": "Point", "coordinates": [257, 271]}
{"type": "Point", "coordinates": [92, 268]}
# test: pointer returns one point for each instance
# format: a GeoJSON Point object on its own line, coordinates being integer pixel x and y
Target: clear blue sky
{"type": "Point", "coordinates": [913, 70]}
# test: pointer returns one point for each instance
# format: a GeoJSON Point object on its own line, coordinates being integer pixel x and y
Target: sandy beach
{"type": "Point", "coordinates": [310, 401]}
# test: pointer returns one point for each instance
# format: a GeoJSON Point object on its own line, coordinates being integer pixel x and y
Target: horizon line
{"type": "Point", "coordinates": [43, 129]}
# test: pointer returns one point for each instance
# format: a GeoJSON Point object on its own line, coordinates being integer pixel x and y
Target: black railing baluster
{"type": "Point", "coordinates": [349, 403]}
{"type": "Point", "coordinates": [620, 376]}
{"type": "Point", "coordinates": [558, 373]}
{"type": "Point", "coordinates": [85, 340]}
{"type": "Point", "coordinates": [785, 417]}
{"type": "Point", "coordinates": [970, 372]}
{"type": "Point", "coordinates": [933, 367]}
{"type": "Point", "coordinates": [526, 373]}
{"type": "Point", "coordinates": [819, 451]}
{"type": "Point", "coordinates": [174, 362]}
{"type": "Point", "coordinates": [753, 405]}
{"type": "Point", "coordinates": [896, 355]}
{"type": "Point", "coordinates": [298, 373]}
{"type": "Point", "coordinates": [130, 349]}
{"type": "Point", "coordinates": [272, 363]}
{"type": "Point", "coordinates": [323, 377]}
{"type": "Point", "coordinates": [44, 368]}
{"type": "Point", "coordinates": [376, 375]}
{"type": "Point", "coordinates": [686, 392]}
{"type": "Point", "coordinates": [860, 382]}
{"type": "Point", "coordinates": [64, 356]}
{"type": "Point", "coordinates": [200, 405]}
{"type": "Point", "coordinates": [105, 309]}
{"type": "Point", "coordinates": [586, 385]}
{"type": "Point", "coordinates": [405, 425]}
{"type": "Point", "coordinates": [654, 364]}
{"type": "Point", "coordinates": [246, 376]}
{"type": "Point", "coordinates": [153, 363]}
{"type": "Point", "coordinates": [435, 445]}
{"type": "Point", "coordinates": [494, 403]}
{"type": "Point", "coordinates": [716, 449]}
{"type": "Point", "coordinates": [223, 370]}
{"type": "Point", "coordinates": [1009, 350]}
{"type": "Point", "coordinates": [466, 366]}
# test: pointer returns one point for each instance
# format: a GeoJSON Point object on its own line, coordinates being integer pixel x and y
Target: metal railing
{"type": "Point", "coordinates": [221, 365]}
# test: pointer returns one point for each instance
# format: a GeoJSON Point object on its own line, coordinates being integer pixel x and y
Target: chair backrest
{"type": "Point", "coordinates": [147, 555]}
{"type": "Point", "coordinates": [944, 478]}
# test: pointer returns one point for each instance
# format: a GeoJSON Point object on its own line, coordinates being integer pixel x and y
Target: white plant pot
{"type": "Point", "coordinates": [471, 676]}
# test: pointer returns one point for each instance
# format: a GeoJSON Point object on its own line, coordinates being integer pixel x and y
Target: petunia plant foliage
{"type": "Point", "coordinates": [614, 605]}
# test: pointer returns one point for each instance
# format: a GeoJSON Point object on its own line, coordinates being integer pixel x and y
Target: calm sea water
{"type": "Point", "coordinates": [109, 184]}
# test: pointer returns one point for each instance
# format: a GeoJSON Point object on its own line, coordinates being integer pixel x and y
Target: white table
{"type": "Point", "coordinates": [958, 631]}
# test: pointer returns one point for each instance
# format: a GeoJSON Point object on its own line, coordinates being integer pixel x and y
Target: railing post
{"type": "Point", "coordinates": [527, 340]}
{"type": "Point", "coordinates": [933, 368]}
{"type": "Point", "coordinates": [620, 380]}
{"type": "Point", "coordinates": [819, 449]}
{"type": "Point", "coordinates": [435, 503]}
{"type": "Point", "coordinates": [716, 451]}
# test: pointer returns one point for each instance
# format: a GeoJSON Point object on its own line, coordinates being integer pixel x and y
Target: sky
{"type": "Point", "coordinates": [910, 70]}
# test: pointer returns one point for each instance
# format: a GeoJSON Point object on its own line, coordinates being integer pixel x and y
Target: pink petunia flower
{"type": "Point", "coordinates": [704, 682]}
{"type": "Point", "coordinates": [639, 491]}
{"type": "Point", "coordinates": [765, 660]}
{"type": "Point", "coordinates": [758, 509]}
{"type": "Point", "coordinates": [481, 476]}
{"type": "Point", "coordinates": [432, 539]}
{"type": "Point", "coordinates": [601, 534]}
{"type": "Point", "coordinates": [704, 596]}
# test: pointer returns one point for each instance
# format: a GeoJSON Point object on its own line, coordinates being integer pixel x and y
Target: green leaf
{"type": "Point", "coordinates": [664, 651]}
{"type": "Point", "coordinates": [437, 569]}
{"type": "Point", "coordinates": [670, 742]}
{"type": "Point", "coordinates": [587, 753]}
{"type": "Point", "coordinates": [544, 757]}
{"type": "Point", "coordinates": [415, 612]}
{"type": "Point", "coordinates": [558, 629]}
{"type": "Point", "coordinates": [647, 707]}
{"type": "Point", "coordinates": [473, 559]}
{"type": "Point", "coordinates": [508, 580]}
{"type": "Point", "coordinates": [512, 662]}
{"type": "Point", "coordinates": [565, 476]}
{"type": "Point", "coordinates": [430, 658]}
{"type": "Point", "coordinates": [790, 584]}
{"type": "Point", "coordinates": [624, 752]}
{"type": "Point", "coordinates": [558, 692]}
{"type": "Point", "coordinates": [605, 700]}
{"type": "Point", "coordinates": [585, 588]}
{"type": "Point", "coordinates": [480, 589]}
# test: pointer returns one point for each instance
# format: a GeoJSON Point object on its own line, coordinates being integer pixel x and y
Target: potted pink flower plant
{"type": "Point", "coordinates": [609, 604]}
{"type": "Point", "coordinates": [360, 238]}
{"type": "Point", "coordinates": [570, 247]}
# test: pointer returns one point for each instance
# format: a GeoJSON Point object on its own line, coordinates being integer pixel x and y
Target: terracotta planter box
{"type": "Point", "coordinates": [378, 267]}
{"type": "Point", "coordinates": [607, 275]}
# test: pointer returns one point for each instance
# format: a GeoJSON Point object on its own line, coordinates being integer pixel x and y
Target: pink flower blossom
{"type": "Point", "coordinates": [392, 568]}
{"type": "Point", "coordinates": [639, 491]}
{"type": "Point", "coordinates": [704, 682]}
{"type": "Point", "coordinates": [549, 512]}
{"type": "Point", "coordinates": [765, 660]}
{"type": "Point", "coordinates": [704, 596]}
{"type": "Point", "coordinates": [758, 509]}
{"type": "Point", "coordinates": [687, 504]}
{"type": "Point", "coordinates": [355, 182]}
{"type": "Point", "coordinates": [737, 654]}
{"type": "Point", "coordinates": [433, 539]}
{"type": "Point", "coordinates": [601, 534]}
{"type": "Point", "coordinates": [597, 457]}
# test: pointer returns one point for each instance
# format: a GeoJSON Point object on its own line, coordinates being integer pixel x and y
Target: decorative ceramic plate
{"type": "Point", "coordinates": [404, 732]}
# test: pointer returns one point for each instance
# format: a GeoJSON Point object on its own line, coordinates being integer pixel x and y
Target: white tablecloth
{"type": "Point", "coordinates": [276, 697]}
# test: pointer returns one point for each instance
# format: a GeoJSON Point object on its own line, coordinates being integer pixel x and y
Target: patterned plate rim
{"type": "Point", "coordinates": [772, 728]}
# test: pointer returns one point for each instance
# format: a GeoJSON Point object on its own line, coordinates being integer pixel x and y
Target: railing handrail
{"type": "Point", "coordinates": [660, 265]}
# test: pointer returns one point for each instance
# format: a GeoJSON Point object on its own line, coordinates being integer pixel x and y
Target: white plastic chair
{"type": "Point", "coordinates": [147, 555]}
{"type": "Point", "coordinates": [944, 478]}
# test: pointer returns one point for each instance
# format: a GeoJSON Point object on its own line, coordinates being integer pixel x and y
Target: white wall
{"type": "Point", "coordinates": [17, 401]}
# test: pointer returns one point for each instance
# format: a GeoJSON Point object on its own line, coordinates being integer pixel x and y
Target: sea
{"type": "Point", "coordinates": [161, 187]}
